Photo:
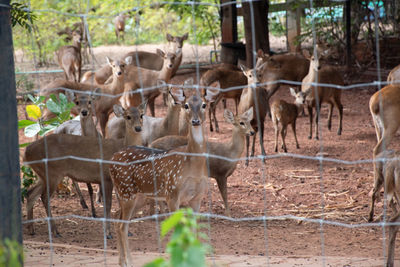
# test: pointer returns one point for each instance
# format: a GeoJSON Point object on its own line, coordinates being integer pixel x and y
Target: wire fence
{"type": "Point", "coordinates": [320, 159]}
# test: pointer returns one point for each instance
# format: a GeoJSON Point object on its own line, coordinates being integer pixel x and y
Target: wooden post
{"type": "Point", "coordinates": [10, 192]}
{"type": "Point", "coordinates": [293, 26]}
{"type": "Point", "coordinates": [348, 33]}
{"type": "Point", "coordinates": [228, 22]}
{"type": "Point", "coordinates": [259, 11]}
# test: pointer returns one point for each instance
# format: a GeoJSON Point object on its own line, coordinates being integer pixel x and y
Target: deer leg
{"type": "Point", "coordinates": [283, 135]}
{"type": "Point", "coordinates": [247, 150]}
{"type": "Point", "coordinates": [237, 104]}
{"type": "Point", "coordinates": [151, 107]}
{"type": "Point", "coordinates": [222, 186]}
{"type": "Point", "coordinates": [215, 118]}
{"type": "Point", "coordinates": [261, 140]}
{"type": "Point", "coordinates": [209, 115]}
{"type": "Point", "coordinates": [121, 230]}
{"type": "Point", "coordinates": [90, 190]}
{"type": "Point", "coordinates": [108, 187]}
{"type": "Point", "coordinates": [31, 197]}
{"type": "Point", "coordinates": [378, 183]}
{"type": "Point", "coordinates": [387, 136]}
{"type": "Point", "coordinates": [317, 114]}
{"type": "Point", "coordinates": [98, 194]}
{"type": "Point", "coordinates": [330, 116]}
{"type": "Point", "coordinates": [310, 116]}
{"type": "Point", "coordinates": [79, 192]}
{"type": "Point", "coordinates": [294, 132]}
{"type": "Point", "coordinates": [103, 122]}
{"type": "Point", "coordinates": [392, 239]}
{"type": "Point", "coordinates": [46, 203]}
{"type": "Point", "coordinates": [276, 135]}
{"type": "Point", "coordinates": [339, 106]}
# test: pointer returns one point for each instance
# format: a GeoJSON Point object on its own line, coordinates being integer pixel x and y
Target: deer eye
{"type": "Point", "coordinates": [186, 106]}
{"type": "Point", "coordinates": [128, 117]}
{"type": "Point", "coordinates": [141, 116]}
{"type": "Point", "coordinates": [204, 105]}
{"type": "Point", "coordinates": [77, 103]}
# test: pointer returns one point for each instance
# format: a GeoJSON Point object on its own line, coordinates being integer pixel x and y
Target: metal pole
{"type": "Point", "coordinates": [10, 192]}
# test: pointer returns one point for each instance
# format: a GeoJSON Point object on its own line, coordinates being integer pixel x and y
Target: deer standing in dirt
{"type": "Point", "coordinates": [104, 105]}
{"type": "Point", "coordinates": [119, 23]}
{"type": "Point", "coordinates": [291, 67]}
{"type": "Point", "coordinates": [178, 178]}
{"type": "Point", "coordinates": [145, 78]}
{"type": "Point", "coordinates": [227, 78]}
{"type": "Point", "coordinates": [85, 127]}
{"type": "Point", "coordinates": [384, 106]}
{"type": "Point", "coordinates": [256, 97]}
{"type": "Point", "coordinates": [220, 169]}
{"type": "Point", "coordinates": [316, 95]}
{"type": "Point", "coordinates": [285, 113]}
{"type": "Point", "coordinates": [69, 58]}
{"type": "Point", "coordinates": [55, 146]}
{"type": "Point", "coordinates": [143, 59]}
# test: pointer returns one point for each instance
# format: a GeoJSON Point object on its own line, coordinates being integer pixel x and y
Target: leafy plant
{"type": "Point", "coordinates": [185, 249]}
{"type": "Point", "coordinates": [28, 179]}
{"type": "Point", "coordinates": [21, 15]}
{"type": "Point", "coordinates": [59, 106]}
{"type": "Point", "coordinates": [11, 253]}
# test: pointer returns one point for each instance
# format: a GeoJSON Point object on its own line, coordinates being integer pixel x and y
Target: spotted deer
{"type": "Point", "coordinates": [285, 113]}
{"type": "Point", "coordinates": [69, 58]}
{"type": "Point", "coordinates": [104, 105]}
{"type": "Point", "coordinates": [85, 127]}
{"type": "Point", "coordinates": [220, 169]}
{"type": "Point", "coordinates": [254, 96]}
{"type": "Point", "coordinates": [172, 176]}
{"type": "Point", "coordinates": [54, 157]}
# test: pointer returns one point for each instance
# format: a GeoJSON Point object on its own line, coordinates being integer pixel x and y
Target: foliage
{"type": "Point", "coordinates": [185, 248]}
{"type": "Point", "coordinates": [11, 253]}
{"type": "Point", "coordinates": [28, 179]}
{"type": "Point", "coordinates": [21, 15]}
{"type": "Point", "coordinates": [59, 106]}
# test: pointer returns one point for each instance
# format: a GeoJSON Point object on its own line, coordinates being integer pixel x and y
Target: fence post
{"type": "Point", "coordinates": [10, 192]}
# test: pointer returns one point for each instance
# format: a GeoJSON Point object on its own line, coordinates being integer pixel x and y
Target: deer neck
{"type": "Point", "coordinates": [165, 73]}
{"type": "Point", "coordinates": [132, 138]}
{"type": "Point", "coordinates": [171, 120]}
{"type": "Point", "coordinates": [196, 140]}
{"type": "Point", "coordinates": [246, 99]}
{"type": "Point", "coordinates": [236, 145]}
{"type": "Point", "coordinates": [77, 45]}
{"type": "Point", "coordinates": [87, 126]}
{"type": "Point", "coordinates": [116, 86]}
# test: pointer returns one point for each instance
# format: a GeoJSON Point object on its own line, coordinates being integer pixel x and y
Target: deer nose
{"type": "Point", "coordinates": [170, 66]}
{"type": "Point", "coordinates": [138, 129]}
{"type": "Point", "coordinates": [119, 73]}
{"type": "Point", "coordinates": [252, 133]}
{"type": "Point", "coordinates": [84, 112]}
{"type": "Point", "coordinates": [195, 122]}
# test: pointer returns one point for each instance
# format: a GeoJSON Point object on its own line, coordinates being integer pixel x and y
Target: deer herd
{"type": "Point", "coordinates": [146, 157]}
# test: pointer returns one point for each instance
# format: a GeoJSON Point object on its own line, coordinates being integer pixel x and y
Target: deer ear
{"type": "Point", "coordinates": [128, 60]}
{"type": "Point", "coordinates": [242, 67]}
{"type": "Point", "coordinates": [118, 110]}
{"type": "Point", "coordinates": [178, 95]}
{"type": "Point", "coordinates": [109, 60]}
{"type": "Point", "coordinates": [185, 36]}
{"type": "Point", "coordinates": [211, 95]}
{"type": "Point", "coordinates": [292, 92]}
{"type": "Point", "coordinates": [306, 53]}
{"type": "Point", "coordinates": [261, 67]}
{"type": "Point", "coordinates": [70, 95]}
{"type": "Point", "coordinates": [142, 107]}
{"type": "Point", "coordinates": [170, 38]}
{"type": "Point", "coordinates": [229, 117]}
{"type": "Point", "coordinates": [160, 52]}
{"type": "Point", "coordinates": [96, 94]}
{"type": "Point", "coordinates": [248, 115]}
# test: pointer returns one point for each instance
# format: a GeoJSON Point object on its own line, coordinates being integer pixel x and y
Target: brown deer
{"type": "Point", "coordinates": [153, 127]}
{"type": "Point", "coordinates": [56, 150]}
{"type": "Point", "coordinates": [145, 78]}
{"type": "Point", "coordinates": [104, 105]}
{"type": "Point", "coordinates": [174, 176]}
{"type": "Point", "coordinates": [119, 23]}
{"type": "Point", "coordinates": [256, 97]}
{"type": "Point", "coordinates": [386, 174]}
{"type": "Point", "coordinates": [147, 60]}
{"type": "Point", "coordinates": [69, 58]}
{"type": "Point", "coordinates": [384, 106]}
{"type": "Point", "coordinates": [220, 169]}
{"type": "Point", "coordinates": [286, 113]}
{"type": "Point", "coordinates": [85, 127]}
{"type": "Point", "coordinates": [394, 75]}
{"type": "Point", "coordinates": [291, 67]}
{"type": "Point", "coordinates": [227, 78]}
{"type": "Point", "coordinates": [315, 96]}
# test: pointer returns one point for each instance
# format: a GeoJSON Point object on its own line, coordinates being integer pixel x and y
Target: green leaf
{"type": "Point", "coordinates": [46, 129]}
{"type": "Point", "coordinates": [24, 144]}
{"type": "Point", "coordinates": [196, 256]}
{"type": "Point", "coordinates": [32, 130]}
{"type": "Point", "coordinates": [53, 106]}
{"type": "Point", "coordinates": [33, 111]}
{"type": "Point", "coordinates": [171, 222]}
{"type": "Point", "coordinates": [160, 262]}
{"type": "Point", "coordinates": [24, 123]}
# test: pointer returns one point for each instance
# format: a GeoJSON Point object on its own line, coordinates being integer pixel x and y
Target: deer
{"type": "Point", "coordinates": [104, 105]}
{"type": "Point", "coordinates": [315, 96]}
{"type": "Point", "coordinates": [220, 169]}
{"type": "Point", "coordinates": [52, 170]}
{"type": "Point", "coordinates": [227, 78]}
{"type": "Point", "coordinates": [178, 177]}
{"type": "Point", "coordinates": [146, 78]}
{"type": "Point", "coordinates": [386, 174]}
{"type": "Point", "coordinates": [69, 58]}
{"type": "Point", "coordinates": [119, 23]}
{"type": "Point", "coordinates": [384, 106]}
{"type": "Point", "coordinates": [85, 127]}
{"type": "Point", "coordinates": [154, 127]}
{"type": "Point", "coordinates": [254, 96]}
{"type": "Point", "coordinates": [147, 60]}
{"type": "Point", "coordinates": [394, 75]}
{"type": "Point", "coordinates": [291, 67]}
{"type": "Point", "coordinates": [285, 113]}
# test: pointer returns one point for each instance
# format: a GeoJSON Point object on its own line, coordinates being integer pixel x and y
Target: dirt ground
{"type": "Point", "coordinates": [285, 185]}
